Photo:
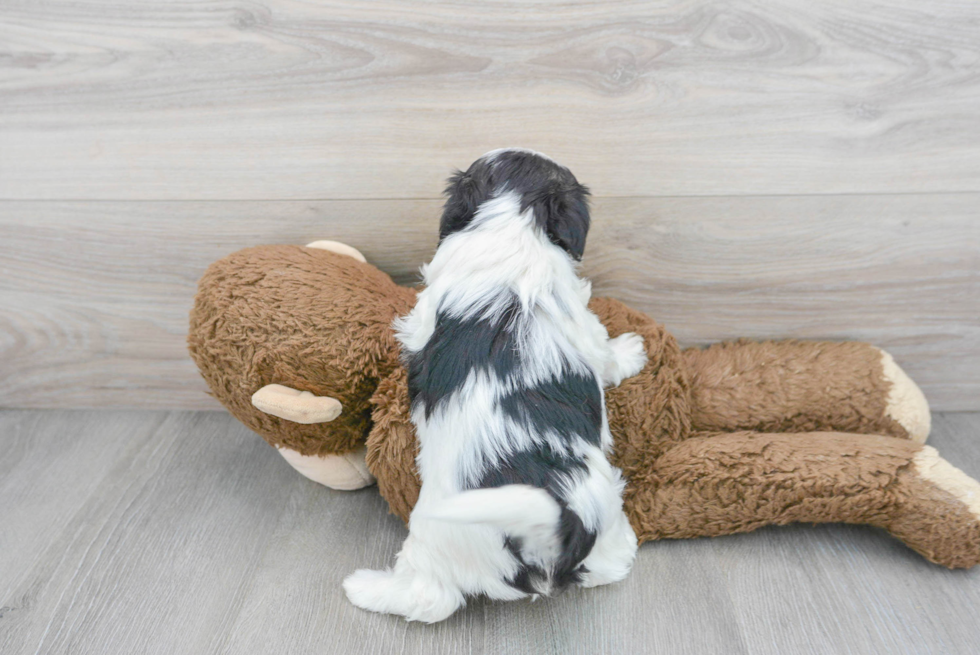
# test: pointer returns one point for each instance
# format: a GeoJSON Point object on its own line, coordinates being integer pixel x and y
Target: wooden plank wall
{"type": "Point", "coordinates": [761, 169]}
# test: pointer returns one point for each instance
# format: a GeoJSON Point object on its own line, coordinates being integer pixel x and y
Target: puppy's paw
{"type": "Point", "coordinates": [629, 358]}
{"type": "Point", "coordinates": [371, 590]}
{"type": "Point", "coordinates": [612, 555]}
{"type": "Point", "coordinates": [415, 598]}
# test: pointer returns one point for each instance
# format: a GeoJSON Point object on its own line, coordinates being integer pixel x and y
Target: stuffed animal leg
{"type": "Point", "coordinates": [803, 386]}
{"type": "Point", "coordinates": [722, 483]}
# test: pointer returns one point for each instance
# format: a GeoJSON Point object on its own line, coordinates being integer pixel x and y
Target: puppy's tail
{"type": "Point", "coordinates": [519, 510]}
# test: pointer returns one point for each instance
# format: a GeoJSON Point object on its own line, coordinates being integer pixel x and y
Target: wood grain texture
{"type": "Point", "coordinates": [794, 577]}
{"type": "Point", "coordinates": [347, 99]}
{"type": "Point", "coordinates": [184, 533]}
{"type": "Point", "coordinates": [155, 555]}
{"type": "Point", "coordinates": [94, 296]}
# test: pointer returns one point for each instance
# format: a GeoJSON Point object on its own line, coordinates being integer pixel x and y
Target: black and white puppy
{"type": "Point", "coordinates": [506, 369]}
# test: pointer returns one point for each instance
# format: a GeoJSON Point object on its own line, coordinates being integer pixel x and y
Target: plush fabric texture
{"type": "Point", "coordinates": [721, 483]}
{"type": "Point", "coordinates": [711, 441]}
{"type": "Point", "coordinates": [843, 387]}
{"type": "Point", "coordinates": [305, 318]}
{"type": "Point", "coordinates": [393, 447]}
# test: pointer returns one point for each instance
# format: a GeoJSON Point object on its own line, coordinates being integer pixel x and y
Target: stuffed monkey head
{"type": "Point", "coordinates": [294, 340]}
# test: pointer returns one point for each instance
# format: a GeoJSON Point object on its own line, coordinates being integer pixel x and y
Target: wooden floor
{"type": "Point", "coordinates": [183, 532]}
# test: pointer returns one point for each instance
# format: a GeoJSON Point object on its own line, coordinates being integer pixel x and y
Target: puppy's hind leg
{"type": "Point", "coordinates": [403, 590]}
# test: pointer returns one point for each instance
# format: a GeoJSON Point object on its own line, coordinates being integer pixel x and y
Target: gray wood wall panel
{"type": "Point", "coordinates": [94, 295]}
{"type": "Point", "coordinates": [772, 169]}
{"type": "Point", "coordinates": [191, 535]}
{"type": "Point", "coordinates": [347, 99]}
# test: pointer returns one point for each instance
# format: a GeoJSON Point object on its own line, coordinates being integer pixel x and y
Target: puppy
{"type": "Point", "coordinates": [506, 369]}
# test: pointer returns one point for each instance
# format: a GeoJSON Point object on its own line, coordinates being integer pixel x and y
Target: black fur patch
{"type": "Point", "coordinates": [457, 347]}
{"type": "Point", "coordinates": [576, 544]}
{"type": "Point", "coordinates": [465, 192]}
{"type": "Point", "coordinates": [560, 203]}
{"type": "Point", "coordinates": [571, 405]}
{"type": "Point", "coordinates": [526, 574]}
{"type": "Point", "coordinates": [546, 469]}
{"type": "Point", "coordinates": [543, 468]}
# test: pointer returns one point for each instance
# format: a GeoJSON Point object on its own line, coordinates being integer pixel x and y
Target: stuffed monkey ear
{"type": "Point", "coordinates": [563, 212]}
{"type": "Point", "coordinates": [295, 405]}
{"type": "Point", "coordinates": [465, 192]}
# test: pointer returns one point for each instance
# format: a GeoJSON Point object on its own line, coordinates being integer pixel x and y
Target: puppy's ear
{"type": "Point", "coordinates": [464, 194]}
{"type": "Point", "coordinates": [562, 211]}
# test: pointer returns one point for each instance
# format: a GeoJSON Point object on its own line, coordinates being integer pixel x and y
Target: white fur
{"type": "Point", "coordinates": [455, 533]}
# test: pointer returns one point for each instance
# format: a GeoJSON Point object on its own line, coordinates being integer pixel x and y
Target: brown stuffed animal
{"type": "Point", "coordinates": [297, 344]}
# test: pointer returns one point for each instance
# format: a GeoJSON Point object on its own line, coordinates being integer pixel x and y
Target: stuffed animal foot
{"type": "Point", "coordinates": [939, 515]}
{"type": "Point", "coordinates": [906, 404]}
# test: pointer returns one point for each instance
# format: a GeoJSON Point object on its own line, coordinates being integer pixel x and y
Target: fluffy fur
{"type": "Point", "coordinates": [506, 369]}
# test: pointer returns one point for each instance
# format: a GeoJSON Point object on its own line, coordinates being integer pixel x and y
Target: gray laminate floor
{"type": "Point", "coordinates": [154, 532]}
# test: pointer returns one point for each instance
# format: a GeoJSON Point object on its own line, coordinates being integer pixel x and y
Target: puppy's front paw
{"type": "Point", "coordinates": [629, 357]}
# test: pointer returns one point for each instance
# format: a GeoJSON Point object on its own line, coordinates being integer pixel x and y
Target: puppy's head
{"type": "Point", "coordinates": [559, 202]}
